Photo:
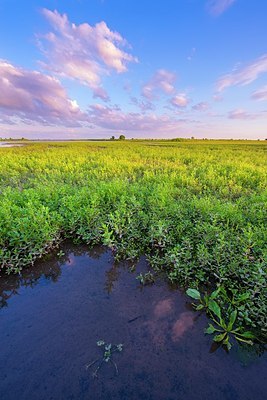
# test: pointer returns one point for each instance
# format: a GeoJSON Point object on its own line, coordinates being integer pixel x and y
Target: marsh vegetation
{"type": "Point", "coordinates": [196, 209]}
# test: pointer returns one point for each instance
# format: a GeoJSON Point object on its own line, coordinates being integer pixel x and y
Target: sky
{"type": "Point", "coordinates": [146, 69]}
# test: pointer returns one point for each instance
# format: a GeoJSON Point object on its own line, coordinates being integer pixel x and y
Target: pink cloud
{"type": "Point", "coordinates": [218, 7]}
{"type": "Point", "coordinates": [115, 119]}
{"type": "Point", "coordinates": [33, 96]}
{"type": "Point", "coordinates": [202, 106]}
{"type": "Point", "coordinates": [101, 93]}
{"type": "Point", "coordinates": [260, 94]}
{"type": "Point", "coordinates": [239, 113]}
{"type": "Point", "coordinates": [243, 76]}
{"type": "Point", "coordinates": [163, 81]}
{"type": "Point", "coordinates": [180, 100]}
{"type": "Point", "coordinates": [142, 105]}
{"type": "Point", "coordinates": [83, 52]}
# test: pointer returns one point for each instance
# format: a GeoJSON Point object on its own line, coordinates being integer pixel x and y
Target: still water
{"type": "Point", "coordinates": [9, 144]}
{"type": "Point", "coordinates": [53, 314]}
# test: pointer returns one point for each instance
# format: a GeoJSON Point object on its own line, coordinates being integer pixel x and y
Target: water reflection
{"type": "Point", "coordinates": [183, 323]}
{"type": "Point", "coordinates": [8, 144]}
{"type": "Point", "coordinates": [163, 308]}
{"type": "Point", "coordinates": [164, 324]}
{"type": "Point", "coordinates": [29, 277]}
{"type": "Point", "coordinates": [49, 269]}
{"type": "Point", "coordinates": [112, 275]}
{"type": "Point", "coordinates": [59, 309]}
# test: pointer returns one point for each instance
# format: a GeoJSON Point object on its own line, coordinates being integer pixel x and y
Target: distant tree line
{"type": "Point", "coordinates": [12, 139]}
{"type": "Point", "coordinates": [121, 137]}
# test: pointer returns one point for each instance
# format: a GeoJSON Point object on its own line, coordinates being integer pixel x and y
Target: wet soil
{"type": "Point", "coordinates": [54, 313]}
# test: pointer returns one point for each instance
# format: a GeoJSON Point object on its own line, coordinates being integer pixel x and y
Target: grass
{"type": "Point", "coordinates": [197, 209]}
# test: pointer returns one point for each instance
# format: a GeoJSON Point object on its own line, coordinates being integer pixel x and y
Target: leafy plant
{"type": "Point", "coordinates": [226, 325]}
{"type": "Point", "coordinates": [226, 328]}
{"type": "Point", "coordinates": [107, 351]}
{"type": "Point", "coordinates": [146, 279]}
{"type": "Point", "coordinates": [206, 301]}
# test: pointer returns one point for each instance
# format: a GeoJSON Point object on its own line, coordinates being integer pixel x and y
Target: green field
{"type": "Point", "coordinates": [196, 209]}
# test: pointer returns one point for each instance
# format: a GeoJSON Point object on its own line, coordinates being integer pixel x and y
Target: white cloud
{"type": "Point", "coordinates": [240, 113]}
{"type": "Point", "coordinates": [243, 76]}
{"type": "Point", "coordinates": [202, 106]}
{"type": "Point", "coordinates": [142, 105]}
{"type": "Point", "coordinates": [113, 118]}
{"type": "Point", "coordinates": [83, 52]}
{"type": "Point", "coordinates": [218, 7]}
{"type": "Point", "coordinates": [161, 81]}
{"type": "Point", "coordinates": [180, 100]}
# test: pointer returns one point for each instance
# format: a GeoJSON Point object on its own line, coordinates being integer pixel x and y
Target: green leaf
{"type": "Point", "coordinates": [220, 338]}
{"type": "Point", "coordinates": [232, 320]}
{"type": "Point", "coordinates": [244, 340]}
{"type": "Point", "coordinates": [215, 293]}
{"type": "Point", "coordinates": [206, 300]}
{"type": "Point", "coordinates": [247, 335]}
{"type": "Point", "coordinates": [237, 330]}
{"type": "Point", "coordinates": [226, 340]}
{"type": "Point", "coordinates": [215, 308]}
{"type": "Point", "coordinates": [199, 307]}
{"type": "Point", "coordinates": [227, 343]}
{"type": "Point", "coordinates": [243, 297]}
{"type": "Point", "coordinates": [193, 293]}
{"type": "Point", "coordinates": [210, 329]}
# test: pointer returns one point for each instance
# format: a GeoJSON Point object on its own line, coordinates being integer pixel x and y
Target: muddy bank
{"type": "Point", "coordinates": [53, 314]}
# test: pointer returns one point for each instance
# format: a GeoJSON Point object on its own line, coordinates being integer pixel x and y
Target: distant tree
{"type": "Point", "coordinates": [122, 137]}
{"type": "Point", "coordinates": [112, 138]}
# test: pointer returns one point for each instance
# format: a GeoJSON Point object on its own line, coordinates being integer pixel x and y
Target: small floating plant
{"type": "Point", "coordinates": [108, 349]}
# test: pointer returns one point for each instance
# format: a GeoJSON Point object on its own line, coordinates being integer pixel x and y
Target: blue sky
{"type": "Point", "coordinates": [96, 68]}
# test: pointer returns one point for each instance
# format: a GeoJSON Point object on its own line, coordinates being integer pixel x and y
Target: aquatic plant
{"type": "Point", "coordinates": [146, 278]}
{"type": "Point", "coordinates": [107, 350]}
{"type": "Point", "coordinates": [226, 329]}
{"type": "Point", "coordinates": [205, 301]}
{"type": "Point", "coordinates": [224, 314]}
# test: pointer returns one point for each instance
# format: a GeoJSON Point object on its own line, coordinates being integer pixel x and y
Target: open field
{"type": "Point", "coordinates": [197, 209]}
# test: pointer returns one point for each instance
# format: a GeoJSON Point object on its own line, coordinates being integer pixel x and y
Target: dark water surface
{"type": "Point", "coordinates": [52, 316]}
